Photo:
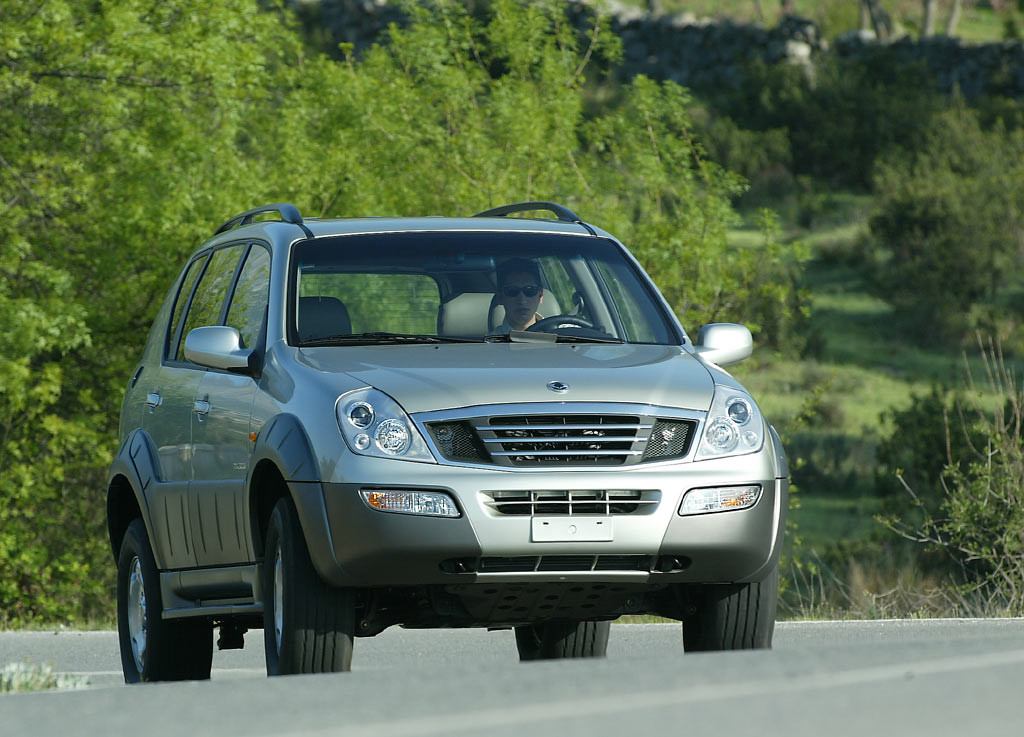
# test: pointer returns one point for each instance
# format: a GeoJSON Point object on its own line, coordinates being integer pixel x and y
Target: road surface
{"type": "Point", "coordinates": [923, 677]}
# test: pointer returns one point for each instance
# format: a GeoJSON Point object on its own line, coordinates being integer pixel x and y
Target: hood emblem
{"type": "Point", "coordinates": [558, 387]}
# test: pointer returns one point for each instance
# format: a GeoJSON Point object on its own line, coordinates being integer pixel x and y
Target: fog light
{"type": "Point", "coordinates": [393, 437]}
{"type": "Point", "coordinates": [429, 503]}
{"type": "Point", "coordinates": [720, 499]}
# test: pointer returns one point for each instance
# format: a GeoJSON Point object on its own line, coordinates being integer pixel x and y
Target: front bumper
{"type": "Point", "coordinates": [362, 547]}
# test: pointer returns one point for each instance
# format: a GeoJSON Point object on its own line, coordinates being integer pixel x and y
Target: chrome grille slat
{"type": "Point", "coordinates": [541, 436]}
{"type": "Point", "coordinates": [603, 503]}
{"type": "Point", "coordinates": [569, 439]}
{"type": "Point", "coordinates": [573, 453]}
{"type": "Point", "coordinates": [565, 439]}
{"type": "Point", "coordinates": [502, 428]}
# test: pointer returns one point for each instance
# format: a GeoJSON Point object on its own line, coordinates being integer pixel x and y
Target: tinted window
{"type": "Point", "coordinates": [249, 301]}
{"type": "Point", "coordinates": [395, 303]}
{"type": "Point", "coordinates": [446, 283]}
{"type": "Point", "coordinates": [210, 294]}
{"type": "Point", "coordinates": [194, 269]}
{"type": "Point", "coordinates": [636, 309]}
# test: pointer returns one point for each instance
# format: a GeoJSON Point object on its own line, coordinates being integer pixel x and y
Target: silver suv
{"type": "Point", "coordinates": [339, 425]}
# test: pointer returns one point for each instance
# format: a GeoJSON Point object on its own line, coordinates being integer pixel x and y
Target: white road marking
{"type": "Point", "coordinates": [589, 707]}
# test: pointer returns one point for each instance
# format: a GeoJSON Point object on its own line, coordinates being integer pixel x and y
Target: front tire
{"type": "Point", "coordinates": [555, 640]}
{"type": "Point", "coordinates": [154, 648]}
{"type": "Point", "coordinates": [731, 616]}
{"type": "Point", "coordinates": [307, 625]}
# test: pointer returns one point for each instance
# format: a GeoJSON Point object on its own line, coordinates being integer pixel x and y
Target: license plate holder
{"type": "Point", "coordinates": [572, 530]}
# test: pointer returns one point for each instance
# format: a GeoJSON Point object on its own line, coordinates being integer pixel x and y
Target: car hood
{"type": "Point", "coordinates": [424, 378]}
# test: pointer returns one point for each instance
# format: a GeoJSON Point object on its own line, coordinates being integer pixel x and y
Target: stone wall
{"type": "Point", "coordinates": [705, 54]}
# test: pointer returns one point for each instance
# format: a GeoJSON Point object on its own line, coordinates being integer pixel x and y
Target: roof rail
{"type": "Point", "coordinates": [289, 214]}
{"type": "Point", "coordinates": [561, 213]}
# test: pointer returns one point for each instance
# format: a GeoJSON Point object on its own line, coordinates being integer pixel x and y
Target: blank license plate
{"type": "Point", "coordinates": [571, 529]}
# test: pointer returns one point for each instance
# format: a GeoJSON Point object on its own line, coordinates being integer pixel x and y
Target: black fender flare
{"type": "Point", "coordinates": [284, 443]}
{"type": "Point", "coordinates": [136, 462]}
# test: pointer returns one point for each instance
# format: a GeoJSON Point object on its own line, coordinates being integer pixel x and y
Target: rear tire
{"type": "Point", "coordinates": [731, 616]}
{"type": "Point", "coordinates": [307, 625]}
{"type": "Point", "coordinates": [154, 648]}
{"type": "Point", "coordinates": [559, 639]}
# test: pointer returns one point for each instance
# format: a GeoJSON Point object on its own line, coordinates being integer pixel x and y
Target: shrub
{"type": "Point", "coordinates": [951, 223]}
{"type": "Point", "coordinates": [839, 121]}
{"type": "Point", "coordinates": [24, 677]}
{"type": "Point", "coordinates": [140, 124]}
{"type": "Point", "coordinates": [979, 522]}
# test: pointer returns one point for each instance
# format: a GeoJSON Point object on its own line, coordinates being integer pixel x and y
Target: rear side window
{"type": "Point", "coordinates": [194, 269]}
{"type": "Point", "coordinates": [211, 292]}
{"type": "Point", "coordinates": [249, 301]}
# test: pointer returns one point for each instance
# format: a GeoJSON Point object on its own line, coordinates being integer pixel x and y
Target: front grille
{"type": "Point", "coordinates": [553, 440]}
{"type": "Point", "coordinates": [548, 563]}
{"type": "Point", "coordinates": [668, 439]}
{"type": "Point", "coordinates": [458, 442]}
{"type": "Point", "coordinates": [556, 502]}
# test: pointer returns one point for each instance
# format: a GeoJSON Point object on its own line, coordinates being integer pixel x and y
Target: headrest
{"type": "Point", "coordinates": [321, 317]}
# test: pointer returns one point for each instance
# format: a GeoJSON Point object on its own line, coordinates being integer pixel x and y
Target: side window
{"type": "Point", "coordinates": [560, 288]}
{"type": "Point", "coordinates": [640, 319]}
{"type": "Point", "coordinates": [210, 293]}
{"type": "Point", "coordinates": [249, 301]}
{"type": "Point", "coordinates": [194, 269]}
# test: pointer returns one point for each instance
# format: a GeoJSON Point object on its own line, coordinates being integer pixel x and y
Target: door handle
{"type": "Point", "coordinates": [201, 407]}
{"type": "Point", "coordinates": [153, 400]}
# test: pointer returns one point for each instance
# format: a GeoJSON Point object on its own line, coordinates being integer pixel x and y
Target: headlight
{"type": "Point", "coordinates": [734, 425]}
{"type": "Point", "coordinates": [373, 424]}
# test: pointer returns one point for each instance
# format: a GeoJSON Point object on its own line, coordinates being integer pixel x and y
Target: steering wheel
{"type": "Point", "coordinates": [558, 320]}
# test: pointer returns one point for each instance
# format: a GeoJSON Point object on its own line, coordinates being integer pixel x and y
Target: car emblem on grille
{"type": "Point", "coordinates": [558, 387]}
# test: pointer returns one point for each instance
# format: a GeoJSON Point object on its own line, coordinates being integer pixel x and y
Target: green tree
{"type": "Point", "coordinates": [950, 222]}
{"type": "Point", "coordinates": [130, 129]}
{"type": "Point", "coordinates": [119, 124]}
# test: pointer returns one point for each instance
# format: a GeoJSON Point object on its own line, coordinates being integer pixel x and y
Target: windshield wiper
{"type": "Point", "coordinates": [534, 336]}
{"type": "Point", "coordinates": [379, 338]}
{"type": "Point", "coordinates": [586, 339]}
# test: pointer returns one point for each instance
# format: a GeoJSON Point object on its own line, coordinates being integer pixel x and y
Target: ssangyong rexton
{"type": "Point", "coordinates": [339, 425]}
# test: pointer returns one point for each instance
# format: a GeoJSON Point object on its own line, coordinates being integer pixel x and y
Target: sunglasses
{"type": "Point", "coordinates": [528, 291]}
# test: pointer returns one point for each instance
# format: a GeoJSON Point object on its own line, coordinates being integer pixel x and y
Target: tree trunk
{"type": "Point", "coordinates": [759, 10]}
{"type": "Point", "coordinates": [865, 17]}
{"type": "Point", "coordinates": [879, 19]}
{"type": "Point", "coordinates": [928, 26]}
{"type": "Point", "coordinates": [954, 17]}
{"type": "Point", "coordinates": [788, 7]}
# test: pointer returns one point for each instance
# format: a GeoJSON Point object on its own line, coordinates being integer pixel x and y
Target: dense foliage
{"type": "Point", "coordinates": [951, 227]}
{"type": "Point", "coordinates": [129, 130]}
{"type": "Point", "coordinates": [978, 520]}
{"type": "Point", "coordinates": [118, 126]}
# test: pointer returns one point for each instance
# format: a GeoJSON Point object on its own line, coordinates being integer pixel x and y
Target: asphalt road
{"type": "Point", "coordinates": [925, 677]}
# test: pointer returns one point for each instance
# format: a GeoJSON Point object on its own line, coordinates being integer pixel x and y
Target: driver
{"type": "Point", "coordinates": [520, 293]}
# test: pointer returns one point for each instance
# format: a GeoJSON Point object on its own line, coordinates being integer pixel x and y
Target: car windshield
{"type": "Point", "coordinates": [470, 286]}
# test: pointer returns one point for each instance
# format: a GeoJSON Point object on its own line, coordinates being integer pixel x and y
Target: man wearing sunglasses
{"type": "Point", "coordinates": [520, 293]}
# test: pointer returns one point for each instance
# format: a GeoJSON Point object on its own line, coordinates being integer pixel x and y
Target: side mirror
{"type": "Point", "coordinates": [218, 347]}
{"type": "Point", "coordinates": [722, 343]}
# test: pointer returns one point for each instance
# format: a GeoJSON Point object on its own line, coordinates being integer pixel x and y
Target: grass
{"type": "Point", "coordinates": [866, 364]}
{"type": "Point", "coordinates": [822, 519]}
